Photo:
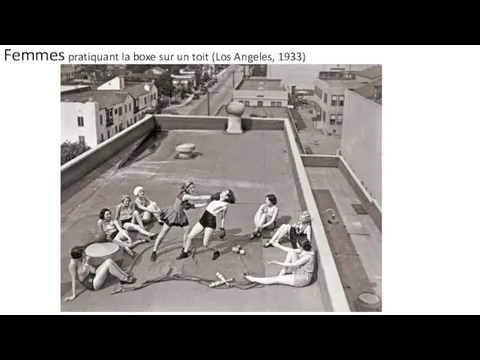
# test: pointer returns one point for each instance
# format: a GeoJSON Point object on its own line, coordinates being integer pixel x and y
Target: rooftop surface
{"type": "Point", "coordinates": [262, 111]}
{"type": "Point", "coordinates": [365, 239]}
{"type": "Point", "coordinates": [367, 91]}
{"type": "Point", "coordinates": [371, 73]}
{"type": "Point", "coordinates": [105, 98]}
{"type": "Point", "coordinates": [266, 84]}
{"type": "Point", "coordinates": [266, 168]}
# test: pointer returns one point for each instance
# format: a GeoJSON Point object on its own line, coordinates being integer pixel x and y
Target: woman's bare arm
{"type": "Point", "coordinates": [72, 268]}
{"type": "Point", "coordinates": [186, 197]}
{"type": "Point", "coordinates": [299, 262]}
{"type": "Point", "coordinates": [308, 232]}
{"type": "Point", "coordinates": [140, 206]}
{"type": "Point", "coordinates": [222, 220]}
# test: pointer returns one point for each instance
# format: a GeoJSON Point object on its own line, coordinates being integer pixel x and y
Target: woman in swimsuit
{"type": "Point", "coordinates": [266, 216]}
{"type": "Point", "coordinates": [126, 217]}
{"type": "Point", "coordinates": [114, 232]}
{"type": "Point", "coordinates": [147, 208]}
{"type": "Point", "coordinates": [208, 222]}
{"type": "Point", "coordinates": [93, 279]}
{"type": "Point", "coordinates": [175, 215]}
{"type": "Point", "coordinates": [301, 263]}
{"type": "Point", "coordinates": [296, 233]}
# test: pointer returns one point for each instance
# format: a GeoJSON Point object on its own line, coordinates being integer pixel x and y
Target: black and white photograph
{"type": "Point", "coordinates": [221, 188]}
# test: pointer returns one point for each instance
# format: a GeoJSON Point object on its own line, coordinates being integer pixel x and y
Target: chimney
{"type": "Point", "coordinates": [377, 92]}
{"type": "Point", "coordinates": [148, 87]}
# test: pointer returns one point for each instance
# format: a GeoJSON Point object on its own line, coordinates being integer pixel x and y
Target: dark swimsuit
{"type": "Point", "coordinates": [88, 282]}
{"type": "Point", "coordinates": [297, 239]}
{"type": "Point", "coordinates": [208, 220]}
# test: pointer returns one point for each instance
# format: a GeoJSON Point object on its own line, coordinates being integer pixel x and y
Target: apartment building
{"type": "Point", "coordinates": [94, 116]}
{"type": "Point", "coordinates": [261, 92]}
{"type": "Point", "coordinates": [67, 72]}
{"type": "Point", "coordinates": [361, 143]}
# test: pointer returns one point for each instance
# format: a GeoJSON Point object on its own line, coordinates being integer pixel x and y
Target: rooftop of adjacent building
{"type": "Point", "coordinates": [371, 73]}
{"type": "Point", "coordinates": [107, 98]}
{"type": "Point", "coordinates": [371, 91]}
{"type": "Point", "coordinates": [259, 111]}
{"type": "Point", "coordinates": [262, 84]}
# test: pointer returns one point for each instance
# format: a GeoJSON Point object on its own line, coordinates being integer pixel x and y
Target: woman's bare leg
{"type": "Point", "coordinates": [279, 234]}
{"type": "Point", "coordinates": [165, 229]}
{"type": "Point", "coordinates": [186, 230]}
{"type": "Point", "coordinates": [137, 219]}
{"type": "Point", "coordinates": [276, 280]}
{"type": "Point", "coordinates": [291, 257]}
{"type": "Point", "coordinates": [120, 241]}
{"type": "Point", "coordinates": [259, 221]}
{"type": "Point", "coordinates": [146, 217]}
{"type": "Point", "coordinates": [197, 229]}
{"type": "Point", "coordinates": [207, 236]}
{"type": "Point", "coordinates": [108, 267]}
{"type": "Point", "coordinates": [137, 228]}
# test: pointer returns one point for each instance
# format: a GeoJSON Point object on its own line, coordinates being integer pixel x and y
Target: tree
{"type": "Point", "coordinates": [135, 68]}
{"type": "Point", "coordinates": [70, 150]}
{"type": "Point", "coordinates": [206, 77]}
{"type": "Point", "coordinates": [164, 84]}
{"type": "Point", "coordinates": [198, 76]}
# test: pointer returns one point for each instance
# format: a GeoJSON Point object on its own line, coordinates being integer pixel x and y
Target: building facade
{"type": "Point", "coordinates": [361, 143]}
{"type": "Point", "coordinates": [261, 92]}
{"type": "Point", "coordinates": [92, 117]}
{"type": "Point", "coordinates": [67, 72]}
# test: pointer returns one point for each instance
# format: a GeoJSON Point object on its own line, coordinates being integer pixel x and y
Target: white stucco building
{"type": "Point", "coordinates": [94, 116]}
{"type": "Point", "coordinates": [361, 143]}
{"type": "Point", "coordinates": [261, 92]}
{"type": "Point", "coordinates": [67, 71]}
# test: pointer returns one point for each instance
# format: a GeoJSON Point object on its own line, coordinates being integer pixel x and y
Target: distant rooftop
{"type": "Point", "coordinates": [105, 99]}
{"type": "Point", "coordinates": [371, 73]}
{"type": "Point", "coordinates": [337, 75]}
{"type": "Point", "coordinates": [266, 84]}
{"type": "Point", "coordinates": [371, 91]}
{"type": "Point", "coordinates": [64, 88]}
{"type": "Point", "coordinates": [262, 111]}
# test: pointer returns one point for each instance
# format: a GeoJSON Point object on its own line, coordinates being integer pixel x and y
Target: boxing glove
{"type": "Point", "coordinates": [221, 233]}
{"type": "Point", "coordinates": [215, 196]}
{"type": "Point", "coordinates": [189, 206]}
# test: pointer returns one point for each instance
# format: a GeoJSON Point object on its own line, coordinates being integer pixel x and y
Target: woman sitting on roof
{"type": "Point", "coordinates": [175, 215]}
{"type": "Point", "coordinates": [126, 218]}
{"type": "Point", "coordinates": [266, 216]}
{"type": "Point", "coordinates": [146, 207]}
{"type": "Point", "coordinates": [93, 279]}
{"type": "Point", "coordinates": [300, 262]}
{"type": "Point", "coordinates": [296, 233]}
{"type": "Point", "coordinates": [113, 231]}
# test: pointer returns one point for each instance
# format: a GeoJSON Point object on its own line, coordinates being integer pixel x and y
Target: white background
{"type": "Point", "coordinates": [431, 250]}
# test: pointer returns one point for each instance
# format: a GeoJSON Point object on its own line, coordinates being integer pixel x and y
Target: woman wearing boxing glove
{"type": "Point", "coordinates": [208, 222]}
{"type": "Point", "coordinates": [175, 215]}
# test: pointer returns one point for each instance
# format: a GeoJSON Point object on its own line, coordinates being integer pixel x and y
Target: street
{"type": "Point", "coordinates": [220, 94]}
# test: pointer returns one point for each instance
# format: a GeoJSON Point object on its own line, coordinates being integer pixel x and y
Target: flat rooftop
{"type": "Point", "coordinates": [359, 255]}
{"type": "Point", "coordinates": [266, 84]}
{"type": "Point", "coordinates": [261, 111]}
{"type": "Point", "coordinates": [266, 169]}
{"type": "Point", "coordinates": [368, 91]}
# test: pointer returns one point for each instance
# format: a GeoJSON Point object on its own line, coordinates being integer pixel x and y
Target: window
{"type": "Point", "coordinates": [279, 103]}
{"type": "Point", "coordinates": [340, 119]}
{"type": "Point", "coordinates": [116, 111]}
{"type": "Point", "coordinates": [129, 107]}
{"type": "Point", "coordinates": [325, 98]}
{"type": "Point", "coordinates": [273, 103]}
{"type": "Point", "coordinates": [241, 101]}
{"type": "Point", "coordinates": [126, 108]}
{"type": "Point", "coordinates": [81, 139]}
{"type": "Point", "coordinates": [101, 119]}
{"type": "Point", "coordinates": [116, 129]}
{"type": "Point", "coordinates": [333, 118]}
{"type": "Point", "coordinates": [324, 117]}
{"type": "Point", "coordinates": [341, 100]}
{"type": "Point", "coordinates": [318, 92]}
{"type": "Point", "coordinates": [259, 103]}
{"type": "Point", "coordinates": [120, 111]}
{"type": "Point", "coordinates": [145, 100]}
{"type": "Point", "coordinates": [108, 134]}
{"type": "Point", "coordinates": [247, 103]}
{"type": "Point", "coordinates": [80, 121]}
{"type": "Point", "coordinates": [101, 137]}
{"type": "Point", "coordinates": [334, 100]}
